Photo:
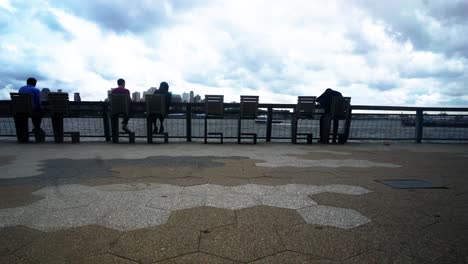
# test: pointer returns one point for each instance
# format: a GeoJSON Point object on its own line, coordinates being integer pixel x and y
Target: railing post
{"type": "Point", "coordinates": [269, 123]}
{"type": "Point", "coordinates": [419, 125]}
{"type": "Point", "coordinates": [188, 119]}
{"type": "Point", "coordinates": [294, 122]}
{"type": "Point", "coordinates": [347, 124]}
{"type": "Point", "coordinates": [105, 119]}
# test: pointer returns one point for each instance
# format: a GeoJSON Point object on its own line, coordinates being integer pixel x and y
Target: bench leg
{"type": "Point", "coordinates": [115, 129]}
{"type": "Point", "coordinates": [336, 124]}
{"type": "Point", "coordinates": [239, 131]}
{"type": "Point", "coordinates": [131, 137]}
{"type": "Point", "coordinates": [57, 125]}
{"type": "Point", "coordinates": [206, 131]}
{"type": "Point", "coordinates": [22, 127]}
{"type": "Point", "coordinates": [149, 130]}
{"type": "Point", "coordinates": [75, 137]}
{"type": "Point", "coordinates": [325, 124]}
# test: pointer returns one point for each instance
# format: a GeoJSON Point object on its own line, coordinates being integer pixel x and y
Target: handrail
{"type": "Point", "coordinates": [281, 105]}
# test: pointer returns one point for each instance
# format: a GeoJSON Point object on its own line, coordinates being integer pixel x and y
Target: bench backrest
{"type": "Point", "coordinates": [155, 104]}
{"type": "Point", "coordinates": [214, 105]}
{"type": "Point", "coordinates": [248, 106]}
{"type": "Point", "coordinates": [120, 104]}
{"type": "Point", "coordinates": [306, 106]}
{"type": "Point", "coordinates": [58, 103]}
{"type": "Point", "coordinates": [340, 107]}
{"type": "Point", "coordinates": [21, 103]}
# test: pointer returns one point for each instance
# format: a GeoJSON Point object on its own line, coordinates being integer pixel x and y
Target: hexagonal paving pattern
{"type": "Point", "coordinates": [267, 216]}
{"type": "Point", "coordinates": [286, 201]}
{"type": "Point", "coordinates": [289, 257]}
{"type": "Point", "coordinates": [155, 244]}
{"type": "Point", "coordinates": [134, 218]}
{"type": "Point", "coordinates": [62, 219]}
{"type": "Point", "coordinates": [231, 201]}
{"type": "Point", "coordinates": [177, 201]}
{"type": "Point", "coordinates": [327, 242]}
{"type": "Point", "coordinates": [64, 245]}
{"type": "Point", "coordinates": [333, 216]}
{"type": "Point", "coordinates": [197, 257]}
{"type": "Point", "coordinates": [231, 242]}
{"type": "Point", "coordinates": [13, 238]}
{"type": "Point", "coordinates": [102, 259]}
{"type": "Point", "coordinates": [202, 218]}
{"type": "Point", "coordinates": [133, 206]}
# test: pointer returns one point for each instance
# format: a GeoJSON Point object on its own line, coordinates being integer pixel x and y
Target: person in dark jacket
{"type": "Point", "coordinates": [325, 101]}
{"type": "Point", "coordinates": [122, 90]}
{"type": "Point", "coordinates": [36, 115]}
{"type": "Point", "coordinates": [163, 89]}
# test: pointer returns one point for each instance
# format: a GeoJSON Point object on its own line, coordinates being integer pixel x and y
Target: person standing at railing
{"type": "Point", "coordinates": [37, 107]}
{"type": "Point", "coordinates": [325, 101]}
{"type": "Point", "coordinates": [163, 89]}
{"type": "Point", "coordinates": [122, 90]}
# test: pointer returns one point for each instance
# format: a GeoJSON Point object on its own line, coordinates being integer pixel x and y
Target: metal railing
{"type": "Point", "coordinates": [186, 122]}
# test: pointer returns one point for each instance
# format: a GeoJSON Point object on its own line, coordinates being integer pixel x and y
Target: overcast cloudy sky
{"type": "Point", "coordinates": [395, 52]}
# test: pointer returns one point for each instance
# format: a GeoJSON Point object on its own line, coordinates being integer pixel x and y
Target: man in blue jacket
{"type": "Point", "coordinates": [36, 116]}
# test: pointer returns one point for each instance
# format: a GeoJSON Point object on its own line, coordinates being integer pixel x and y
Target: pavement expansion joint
{"type": "Point", "coordinates": [133, 206]}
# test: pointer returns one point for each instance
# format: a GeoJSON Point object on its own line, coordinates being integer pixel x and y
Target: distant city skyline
{"type": "Point", "coordinates": [190, 97]}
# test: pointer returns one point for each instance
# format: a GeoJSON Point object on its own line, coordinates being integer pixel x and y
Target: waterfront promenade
{"type": "Point", "coordinates": [266, 203]}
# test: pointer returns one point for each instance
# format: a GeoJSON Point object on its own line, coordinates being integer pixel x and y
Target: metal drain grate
{"type": "Point", "coordinates": [410, 184]}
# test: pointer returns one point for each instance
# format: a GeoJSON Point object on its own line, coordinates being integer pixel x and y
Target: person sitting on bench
{"type": "Point", "coordinates": [163, 89]}
{"type": "Point", "coordinates": [37, 107]}
{"type": "Point", "coordinates": [122, 90]}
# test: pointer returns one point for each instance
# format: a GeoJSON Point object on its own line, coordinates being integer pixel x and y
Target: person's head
{"type": "Point", "coordinates": [121, 82]}
{"type": "Point", "coordinates": [31, 81]}
{"type": "Point", "coordinates": [164, 87]}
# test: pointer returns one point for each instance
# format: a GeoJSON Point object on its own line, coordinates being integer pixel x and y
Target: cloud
{"type": "Point", "coordinates": [121, 16]}
{"type": "Point", "coordinates": [393, 53]}
{"type": "Point", "coordinates": [6, 5]}
{"type": "Point", "coordinates": [435, 25]}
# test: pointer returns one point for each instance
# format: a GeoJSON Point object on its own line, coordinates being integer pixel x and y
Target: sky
{"type": "Point", "coordinates": [389, 52]}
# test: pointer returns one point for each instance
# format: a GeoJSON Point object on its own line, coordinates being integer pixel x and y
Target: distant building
{"type": "Point", "coordinates": [176, 98]}
{"type": "Point", "coordinates": [108, 94]}
{"type": "Point", "coordinates": [76, 97]}
{"type": "Point", "coordinates": [136, 97]}
{"type": "Point", "coordinates": [191, 96]}
{"type": "Point", "coordinates": [185, 97]}
{"type": "Point", "coordinates": [45, 94]}
{"type": "Point", "coordinates": [151, 90]}
{"type": "Point", "coordinates": [59, 90]}
{"type": "Point", "coordinates": [197, 99]}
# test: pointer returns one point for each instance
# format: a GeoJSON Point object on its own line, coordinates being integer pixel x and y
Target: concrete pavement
{"type": "Point", "coordinates": [265, 203]}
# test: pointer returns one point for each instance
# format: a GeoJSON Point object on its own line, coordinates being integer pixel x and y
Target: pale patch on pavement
{"type": "Point", "coordinates": [330, 163]}
{"type": "Point", "coordinates": [332, 216]}
{"type": "Point", "coordinates": [29, 159]}
{"type": "Point", "coordinates": [133, 206]}
{"type": "Point", "coordinates": [331, 152]}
